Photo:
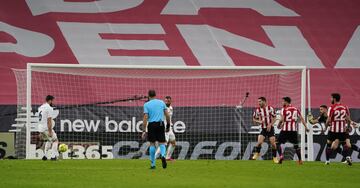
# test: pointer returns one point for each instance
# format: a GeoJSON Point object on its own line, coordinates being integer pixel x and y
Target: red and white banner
{"type": "Point", "coordinates": [322, 35]}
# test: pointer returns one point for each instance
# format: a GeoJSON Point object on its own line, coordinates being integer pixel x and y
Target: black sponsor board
{"type": "Point", "coordinates": [202, 132]}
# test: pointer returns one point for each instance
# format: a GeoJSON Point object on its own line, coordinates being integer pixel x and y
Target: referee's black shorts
{"type": "Point", "coordinates": [156, 132]}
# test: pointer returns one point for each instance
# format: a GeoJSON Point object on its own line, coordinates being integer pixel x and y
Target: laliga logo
{"type": "Point", "coordinates": [79, 125]}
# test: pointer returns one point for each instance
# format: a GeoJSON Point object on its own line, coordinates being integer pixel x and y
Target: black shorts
{"type": "Point", "coordinates": [341, 136]}
{"type": "Point", "coordinates": [156, 132]}
{"type": "Point", "coordinates": [288, 136]}
{"type": "Point", "coordinates": [269, 134]}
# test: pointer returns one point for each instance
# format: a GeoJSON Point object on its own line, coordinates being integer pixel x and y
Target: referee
{"type": "Point", "coordinates": [154, 112]}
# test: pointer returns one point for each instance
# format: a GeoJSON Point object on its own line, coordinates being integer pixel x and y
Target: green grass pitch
{"type": "Point", "coordinates": [187, 173]}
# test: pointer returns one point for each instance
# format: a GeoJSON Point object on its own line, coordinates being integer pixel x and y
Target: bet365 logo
{"type": "Point", "coordinates": [7, 148]}
{"type": "Point", "coordinates": [2, 151]}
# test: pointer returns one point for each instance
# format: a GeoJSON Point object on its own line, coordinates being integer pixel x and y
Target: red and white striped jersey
{"type": "Point", "coordinates": [264, 114]}
{"type": "Point", "coordinates": [290, 115]}
{"type": "Point", "coordinates": [337, 114]}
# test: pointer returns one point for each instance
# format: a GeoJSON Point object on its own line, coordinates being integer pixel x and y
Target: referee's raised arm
{"type": "Point", "coordinates": [153, 121]}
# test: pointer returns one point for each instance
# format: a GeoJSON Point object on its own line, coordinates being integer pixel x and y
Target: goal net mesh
{"type": "Point", "coordinates": [101, 109]}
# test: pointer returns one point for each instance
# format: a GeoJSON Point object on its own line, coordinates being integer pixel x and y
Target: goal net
{"type": "Point", "coordinates": [101, 108]}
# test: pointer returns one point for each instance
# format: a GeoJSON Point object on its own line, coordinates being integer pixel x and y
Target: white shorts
{"type": "Point", "coordinates": [46, 137]}
{"type": "Point", "coordinates": [170, 136]}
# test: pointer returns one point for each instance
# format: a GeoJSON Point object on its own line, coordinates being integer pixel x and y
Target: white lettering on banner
{"type": "Point", "coordinates": [106, 152]}
{"type": "Point", "coordinates": [39, 7]}
{"type": "Point", "coordinates": [192, 7]}
{"type": "Point", "coordinates": [179, 127]}
{"type": "Point", "coordinates": [355, 154]}
{"type": "Point", "coordinates": [289, 48]}
{"type": "Point", "coordinates": [78, 152]}
{"type": "Point", "coordinates": [235, 151]}
{"type": "Point", "coordinates": [200, 149]}
{"type": "Point", "coordinates": [351, 56]}
{"type": "Point", "coordinates": [317, 150]}
{"type": "Point", "coordinates": [89, 48]}
{"type": "Point", "coordinates": [256, 129]}
{"type": "Point", "coordinates": [131, 144]}
{"type": "Point", "coordinates": [133, 125]}
{"type": "Point", "coordinates": [79, 125]}
{"type": "Point", "coordinates": [183, 148]}
{"type": "Point", "coordinates": [317, 129]}
{"type": "Point", "coordinates": [125, 126]}
{"type": "Point", "coordinates": [25, 42]}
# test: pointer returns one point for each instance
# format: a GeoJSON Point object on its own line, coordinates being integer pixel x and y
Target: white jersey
{"type": "Point", "coordinates": [170, 110]}
{"type": "Point", "coordinates": [170, 136]}
{"type": "Point", "coordinates": [45, 112]}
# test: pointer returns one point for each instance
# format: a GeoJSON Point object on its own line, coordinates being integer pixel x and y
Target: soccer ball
{"type": "Point", "coordinates": [63, 148]}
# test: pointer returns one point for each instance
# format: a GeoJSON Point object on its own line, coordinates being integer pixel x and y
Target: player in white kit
{"type": "Point", "coordinates": [46, 129]}
{"type": "Point", "coordinates": [169, 134]}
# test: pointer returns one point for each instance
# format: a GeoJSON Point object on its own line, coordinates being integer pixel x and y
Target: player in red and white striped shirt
{"type": "Point", "coordinates": [289, 127]}
{"type": "Point", "coordinates": [338, 119]}
{"type": "Point", "coordinates": [264, 115]}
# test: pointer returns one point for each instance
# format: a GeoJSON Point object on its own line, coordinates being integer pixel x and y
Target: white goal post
{"type": "Point", "coordinates": [210, 95]}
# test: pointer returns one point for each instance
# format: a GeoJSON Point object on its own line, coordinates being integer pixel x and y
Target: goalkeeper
{"type": "Point", "coordinates": [322, 117]}
{"type": "Point", "coordinates": [322, 121]}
